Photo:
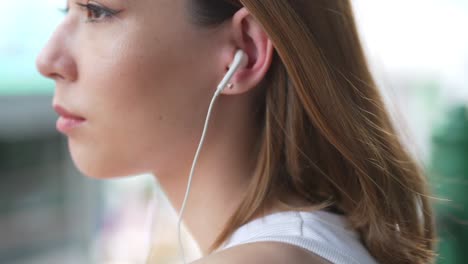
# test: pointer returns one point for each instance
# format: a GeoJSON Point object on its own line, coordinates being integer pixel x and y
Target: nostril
{"type": "Point", "coordinates": [56, 62]}
{"type": "Point", "coordinates": [42, 66]}
{"type": "Point", "coordinates": [56, 69]}
{"type": "Point", "coordinates": [54, 76]}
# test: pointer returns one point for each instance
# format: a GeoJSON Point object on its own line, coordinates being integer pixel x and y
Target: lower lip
{"type": "Point", "coordinates": [65, 125]}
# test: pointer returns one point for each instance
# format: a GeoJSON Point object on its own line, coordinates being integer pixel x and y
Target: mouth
{"type": "Point", "coordinates": [62, 112]}
{"type": "Point", "coordinates": [67, 120]}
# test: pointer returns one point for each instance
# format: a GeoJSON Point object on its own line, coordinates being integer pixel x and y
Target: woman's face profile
{"type": "Point", "coordinates": [140, 73]}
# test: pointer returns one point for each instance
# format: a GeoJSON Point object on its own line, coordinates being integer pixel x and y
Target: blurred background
{"type": "Point", "coordinates": [49, 213]}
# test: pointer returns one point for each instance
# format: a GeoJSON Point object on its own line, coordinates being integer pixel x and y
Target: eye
{"type": "Point", "coordinates": [96, 13]}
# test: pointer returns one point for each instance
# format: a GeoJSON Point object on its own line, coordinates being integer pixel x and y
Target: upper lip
{"type": "Point", "coordinates": [65, 113]}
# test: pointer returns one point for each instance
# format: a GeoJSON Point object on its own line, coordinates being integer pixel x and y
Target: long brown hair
{"type": "Point", "coordinates": [326, 136]}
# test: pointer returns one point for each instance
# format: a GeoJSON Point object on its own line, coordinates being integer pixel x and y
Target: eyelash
{"type": "Point", "coordinates": [95, 13]}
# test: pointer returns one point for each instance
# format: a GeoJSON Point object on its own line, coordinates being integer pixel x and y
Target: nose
{"type": "Point", "coordinates": [55, 61]}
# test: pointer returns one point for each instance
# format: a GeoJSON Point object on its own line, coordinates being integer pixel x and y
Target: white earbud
{"type": "Point", "coordinates": [240, 60]}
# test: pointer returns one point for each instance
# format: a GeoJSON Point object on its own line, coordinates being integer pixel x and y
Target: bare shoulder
{"type": "Point", "coordinates": [263, 252]}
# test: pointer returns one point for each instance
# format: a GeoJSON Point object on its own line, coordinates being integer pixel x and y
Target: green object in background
{"type": "Point", "coordinates": [26, 87]}
{"type": "Point", "coordinates": [18, 73]}
{"type": "Point", "coordinates": [449, 178]}
{"type": "Point", "coordinates": [25, 27]}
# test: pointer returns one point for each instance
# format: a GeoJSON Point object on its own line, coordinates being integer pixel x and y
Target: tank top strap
{"type": "Point", "coordinates": [325, 234]}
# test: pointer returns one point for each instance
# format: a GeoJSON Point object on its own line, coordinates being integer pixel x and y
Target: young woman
{"type": "Point", "coordinates": [301, 163]}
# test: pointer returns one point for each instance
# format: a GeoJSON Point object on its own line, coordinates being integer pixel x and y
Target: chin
{"type": "Point", "coordinates": [100, 166]}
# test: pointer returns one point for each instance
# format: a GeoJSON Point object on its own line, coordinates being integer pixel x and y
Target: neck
{"type": "Point", "coordinates": [221, 175]}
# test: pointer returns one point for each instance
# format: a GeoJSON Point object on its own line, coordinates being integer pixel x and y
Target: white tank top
{"type": "Point", "coordinates": [325, 234]}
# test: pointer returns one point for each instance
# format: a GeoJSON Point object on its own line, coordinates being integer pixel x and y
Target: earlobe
{"type": "Point", "coordinates": [249, 35]}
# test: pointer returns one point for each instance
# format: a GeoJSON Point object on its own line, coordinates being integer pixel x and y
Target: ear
{"type": "Point", "coordinates": [247, 34]}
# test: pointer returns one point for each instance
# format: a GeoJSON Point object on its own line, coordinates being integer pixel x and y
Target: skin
{"type": "Point", "coordinates": [143, 80]}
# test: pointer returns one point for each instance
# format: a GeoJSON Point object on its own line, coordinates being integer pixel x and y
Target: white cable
{"type": "Point", "coordinates": [240, 60]}
{"type": "Point", "coordinates": [184, 203]}
{"type": "Point", "coordinates": [149, 222]}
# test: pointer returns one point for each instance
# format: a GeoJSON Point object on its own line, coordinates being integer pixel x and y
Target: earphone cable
{"type": "Point", "coordinates": [192, 170]}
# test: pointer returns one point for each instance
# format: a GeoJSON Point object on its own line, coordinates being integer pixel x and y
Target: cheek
{"type": "Point", "coordinates": [136, 109]}
{"type": "Point", "coordinates": [141, 112]}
